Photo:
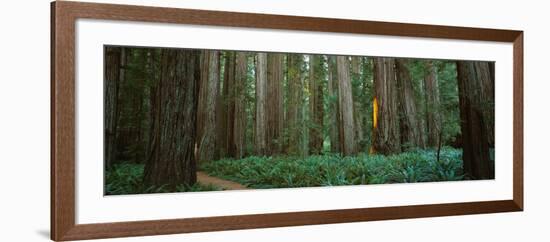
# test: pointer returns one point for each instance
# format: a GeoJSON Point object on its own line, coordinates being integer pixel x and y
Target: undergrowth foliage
{"type": "Point", "coordinates": [319, 170]}
{"type": "Point", "coordinates": [127, 179]}
{"type": "Point", "coordinates": [335, 170]}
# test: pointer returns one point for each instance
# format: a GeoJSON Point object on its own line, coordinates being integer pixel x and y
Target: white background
{"type": "Point", "coordinates": [24, 124]}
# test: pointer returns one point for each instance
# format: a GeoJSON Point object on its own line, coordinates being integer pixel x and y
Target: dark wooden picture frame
{"type": "Point", "coordinates": [63, 19]}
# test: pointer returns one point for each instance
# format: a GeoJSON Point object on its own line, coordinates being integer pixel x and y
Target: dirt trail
{"type": "Point", "coordinates": [205, 179]}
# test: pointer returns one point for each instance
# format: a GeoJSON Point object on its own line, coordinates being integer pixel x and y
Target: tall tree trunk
{"type": "Point", "coordinates": [229, 101]}
{"type": "Point", "coordinates": [357, 107]}
{"type": "Point", "coordinates": [473, 102]}
{"type": "Point", "coordinates": [334, 131]}
{"type": "Point", "coordinates": [152, 60]}
{"type": "Point", "coordinates": [386, 117]}
{"type": "Point", "coordinates": [293, 146]}
{"type": "Point", "coordinates": [207, 103]}
{"type": "Point", "coordinates": [345, 101]}
{"type": "Point", "coordinates": [239, 124]}
{"type": "Point", "coordinates": [433, 117]}
{"type": "Point", "coordinates": [221, 108]}
{"type": "Point", "coordinates": [274, 108]}
{"type": "Point", "coordinates": [140, 111]}
{"type": "Point", "coordinates": [411, 135]}
{"type": "Point", "coordinates": [316, 104]}
{"type": "Point", "coordinates": [261, 93]}
{"type": "Point", "coordinates": [486, 72]}
{"type": "Point", "coordinates": [113, 68]}
{"type": "Point", "coordinates": [172, 159]}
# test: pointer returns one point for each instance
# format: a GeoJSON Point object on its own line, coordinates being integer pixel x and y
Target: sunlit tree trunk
{"type": "Point", "coordinates": [345, 101]}
{"type": "Point", "coordinates": [172, 159]}
{"type": "Point", "coordinates": [334, 127]}
{"type": "Point", "coordinates": [208, 96]}
{"type": "Point", "coordinates": [411, 128]}
{"type": "Point", "coordinates": [274, 108]}
{"type": "Point", "coordinates": [386, 116]}
{"type": "Point", "coordinates": [473, 102]}
{"type": "Point", "coordinates": [261, 93]}
{"type": "Point", "coordinates": [316, 104]}
{"type": "Point", "coordinates": [433, 117]}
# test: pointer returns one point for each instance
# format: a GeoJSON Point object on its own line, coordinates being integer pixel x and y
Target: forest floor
{"type": "Point", "coordinates": [291, 171]}
{"type": "Point", "coordinates": [205, 179]}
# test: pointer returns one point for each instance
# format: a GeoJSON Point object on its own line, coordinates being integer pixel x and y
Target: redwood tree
{"type": "Point", "coordinates": [172, 158]}
{"type": "Point", "coordinates": [345, 101]}
{"type": "Point", "coordinates": [274, 108]}
{"type": "Point", "coordinates": [114, 73]}
{"type": "Point", "coordinates": [294, 104]}
{"type": "Point", "coordinates": [358, 108]}
{"type": "Point", "coordinates": [473, 102]}
{"type": "Point", "coordinates": [261, 93]}
{"type": "Point", "coordinates": [239, 121]}
{"type": "Point", "coordinates": [386, 135]}
{"type": "Point", "coordinates": [485, 71]}
{"type": "Point", "coordinates": [433, 116]}
{"type": "Point", "coordinates": [334, 117]}
{"type": "Point", "coordinates": [228, 103]}
{"type": "Point", "coordinates": [208, 97]}
{"type": "Point", "coordinates": [410, 127]}
{"type": "Point", "coordinates": [316, 104]}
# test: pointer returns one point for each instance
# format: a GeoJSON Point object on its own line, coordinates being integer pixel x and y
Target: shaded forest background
{"type": "Point", "coordinates": [172, 110]}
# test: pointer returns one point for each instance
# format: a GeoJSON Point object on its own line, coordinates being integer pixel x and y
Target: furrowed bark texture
{"type": "Point", "coordinates": [274, 109]}
{"type": "Point", "coordinates": [113, 65]}
{"type": "Point", "coordinates": [228, 102]}
{"type": "Point", "coordinates": [239, 124]}
{"type": "Point", "coordinates": [347, 130]}
{"type": "Point", "coordinates": [208, 98]}
{"type": "Point", "coordinates": [410, 127]}
{"type": "Point", "coordinates": [172, 158]}
{"type": "Point", "coordinates": [386, 133]}
{"type": "Point", "coordinates": [473, 102]}
{"type": "Point", "coordinates": [261, 93]}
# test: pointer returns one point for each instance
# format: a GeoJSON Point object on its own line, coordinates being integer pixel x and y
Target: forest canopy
{"type": "Point", "coordinates": [194, 120]}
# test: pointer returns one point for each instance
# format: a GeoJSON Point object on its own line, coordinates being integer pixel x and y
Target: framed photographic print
{"type": "Point", "coordinates": [169, 120]}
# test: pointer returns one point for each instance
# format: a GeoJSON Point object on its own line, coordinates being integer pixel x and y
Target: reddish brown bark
{"type": "Point", "coordinates": [261, 93]}
{"type": "Point", "coordinates": [239, 123]}
{"type": "Point", "coordinates": [274, 108]}
{"type": "Point", "coordinates": [386, 133]}
{"type": "Point", "coordinates": [474, 101]}
{"type": "Point", "coordinates": [410, 126]}
{"type": "Point", "coordinates": [172, 158]}
{"type": "Point", "coordinates": [208, 97]}
{"type": "Point", "coordinates": [345, 100]}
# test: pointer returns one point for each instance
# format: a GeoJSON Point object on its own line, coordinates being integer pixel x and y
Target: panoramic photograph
{"type": "Point", "coordinates": [193, 120]}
